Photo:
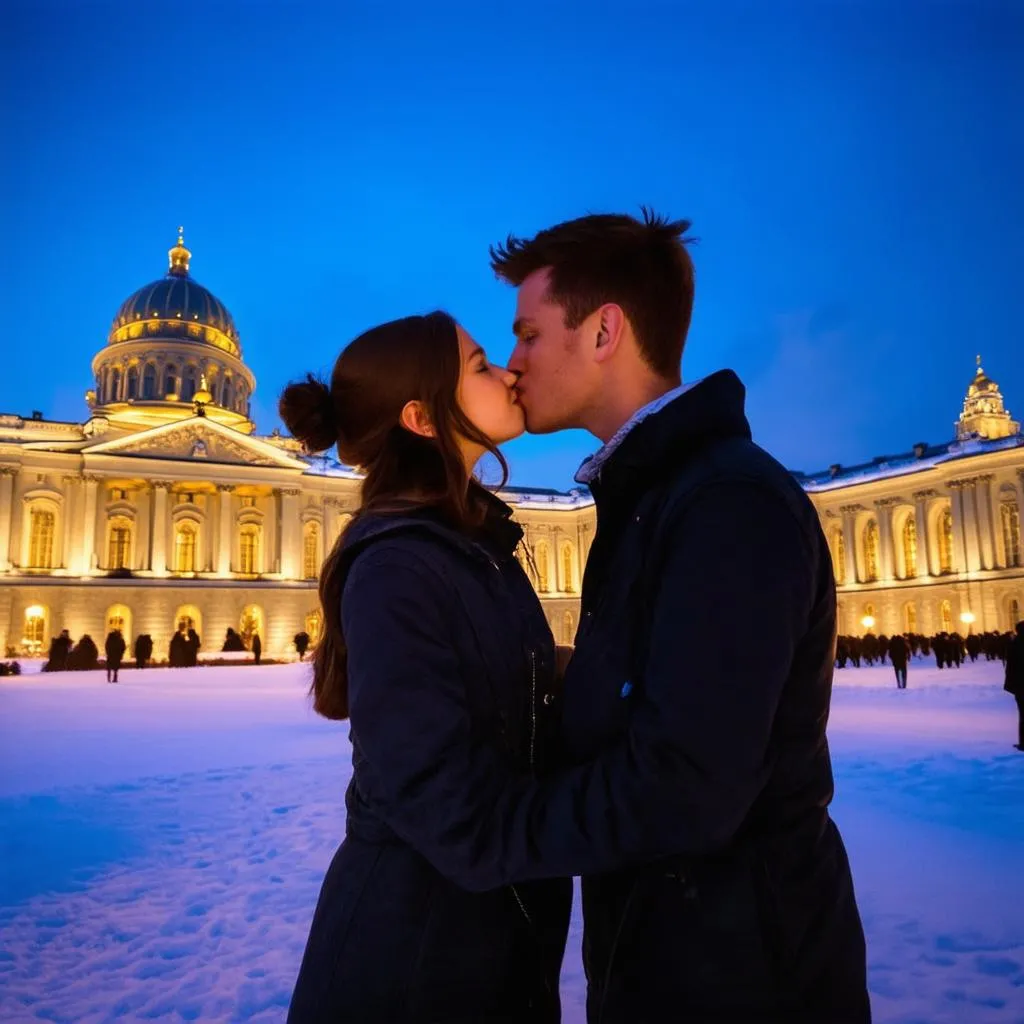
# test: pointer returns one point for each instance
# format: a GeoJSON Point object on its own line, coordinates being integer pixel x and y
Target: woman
{"type": "Point", "coordinates": [423, 591]}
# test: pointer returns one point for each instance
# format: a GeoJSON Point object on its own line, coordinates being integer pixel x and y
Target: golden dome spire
{"type": "Point", "coordinates": [179, 256]}
{"type": "Point", "coordinates": [984, 414]}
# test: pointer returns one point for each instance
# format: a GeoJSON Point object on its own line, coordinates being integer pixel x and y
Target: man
{"type": "Point", "coordinates": [114, 648]}
{"type": "Point", "coordinates": [1015, 679]}
{"type": "Point", "coordinates": [899, 655]}
{"type": "Point", "coordinates": [716, 887]}
{"type": "Point", "coordinates": [257, 648]}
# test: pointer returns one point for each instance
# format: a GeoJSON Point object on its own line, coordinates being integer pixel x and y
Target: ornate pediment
{"type": "Point", "coordinates": [197, 439]}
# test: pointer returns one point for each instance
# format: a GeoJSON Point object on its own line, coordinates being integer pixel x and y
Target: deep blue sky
{"type": "Point", "coordinates": [854, 172]}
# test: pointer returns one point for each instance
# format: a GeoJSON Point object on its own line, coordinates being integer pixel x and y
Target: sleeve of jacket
{"type": "Point", "coordinates": [737, 587]}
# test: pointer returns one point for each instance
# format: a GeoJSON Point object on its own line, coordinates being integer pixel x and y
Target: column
{"type": "Point", "coordinates": [69, 557]}
{"type": "Point", "coordinates": [956, 488]}
{"type": "Point", "coordinates": [6, 509]}
{"type": "Point", "coordinates": [849, 513]}
{"type": "Point", "coordinates": [224, 530]}
{"type": "Point", "coordinates": [158, 560]}
{"type": "Point", "coordinates": [883, 509]}
{"type": "Point", "coordinates": [983, 518]}
{"type": "Point", "coordinates": [924, 554]}
{"type": "Point", "coordinates": [331, 508]}
{"type": "Point", "coordinates": [290, 533]}
{"type": "Point", "coordinates": [86, 565]}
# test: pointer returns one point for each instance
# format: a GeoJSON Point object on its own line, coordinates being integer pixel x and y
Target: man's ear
{"type": "Point", "coordinates": [611, 323]}
{"type": "Point", "coordinates": [416, 420]}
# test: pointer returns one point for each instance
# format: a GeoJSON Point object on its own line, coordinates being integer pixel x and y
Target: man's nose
{"type": "Point", "coordinates": [516, 362]}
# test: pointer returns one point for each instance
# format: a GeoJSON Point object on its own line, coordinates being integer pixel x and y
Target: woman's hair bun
{"type": "Point", "coordinates": [307, 409]}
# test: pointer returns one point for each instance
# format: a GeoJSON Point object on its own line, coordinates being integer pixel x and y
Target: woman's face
{"type": "Point", "coordinates": [487, 394]}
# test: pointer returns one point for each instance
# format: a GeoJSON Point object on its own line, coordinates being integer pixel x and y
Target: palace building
{"type": "Point", "coordinates": [165, 509]}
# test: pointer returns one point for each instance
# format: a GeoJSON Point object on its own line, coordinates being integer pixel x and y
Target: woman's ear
{"type": "Point", "coordinates": [416, 420]}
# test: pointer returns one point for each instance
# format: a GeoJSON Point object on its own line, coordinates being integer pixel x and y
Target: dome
{"type": "Point", "coordinates": [176, 306]}
{"type": "Point", "coordinates": [984, 413]}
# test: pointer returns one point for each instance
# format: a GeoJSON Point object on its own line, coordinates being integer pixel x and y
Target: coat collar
{"type": "Point", "coordinates": [499, 531]}
{"type": "Point", "coordinates": [709, 410]}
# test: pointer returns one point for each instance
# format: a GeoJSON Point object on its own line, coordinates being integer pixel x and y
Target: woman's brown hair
{"type": "Point", "coordinates": [416, 358]}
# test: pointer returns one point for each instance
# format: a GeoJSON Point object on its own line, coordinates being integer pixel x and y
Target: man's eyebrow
{"type": "Point", "coordinates": [519, 324]}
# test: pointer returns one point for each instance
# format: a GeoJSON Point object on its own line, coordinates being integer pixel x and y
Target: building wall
{"type": "Point", "coordinates": [984, 576]}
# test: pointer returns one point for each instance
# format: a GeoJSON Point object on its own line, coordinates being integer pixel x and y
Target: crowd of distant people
{"type": "Point", "coordinates": [950, 650]}
{"type": "Point", "coordinates": [65, 655]}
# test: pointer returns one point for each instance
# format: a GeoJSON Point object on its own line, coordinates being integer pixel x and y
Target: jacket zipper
{"type": "Point", "coordinates": [533, 739]}
{"type": "Point", "coordinates": [533, 731]}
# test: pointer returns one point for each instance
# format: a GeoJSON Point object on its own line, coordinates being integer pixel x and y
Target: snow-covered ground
{"type": "Point", "coordinates": [162, 842]}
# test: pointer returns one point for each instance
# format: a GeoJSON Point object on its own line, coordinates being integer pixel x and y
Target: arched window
{"type": "Point", "coordinates": [909, 548]}
{"type": "Point", "coordinates": [568, 585]}
{"type": "Point", "coordinates": [1010, 516]}
{"type": "Point", "coordinates": [871, 551]}
{"type": "Point", "coordinates": [1014, 612]}
{"type": "Point", "coordinates": [133, 382]}
{"type": "Point", "coordinates": [251, 623]}
{"type": "Point", "coordinates": [839, 556]}
{"type": "Point", "coordinates": [314, 623]}
{"type": "Point", "coordinates": [310, 550]}
{"type": "Point", "coordinates": [149, 382]}
{"type": "Point", "coordinates": [170, 380]}
{"type": "Point", "coordinates": [42, 522]}
{"type": "Point", "coordinates": [185, 547]}
{"type": "Point", "coordinates": [568, 628]}
{"type": "Point", "coordinates": [187, 617]}
{"type": "Point", "coordinates": [119, 618]}
{"type": "Point", "coordinates": [188, 384]}
{"type": "Point", "coordinates": [119, 543]}
{"type": "Point", "coordinates": [946, 541]}
{"type": "Point", "coordinates": [946, 616]}
{"type": "Point", "coordinates": [249, 549]}
{"type": "Point", "coordinates": [540, 554]}
{"type": "Point", "coordinates": [115, 385]}
{"type": "Point", "coordinates": [33, 634]}
{"type": "Point", "coordinates": [225, 392]}
{"type": "Point", "coordinates": [910, 617]}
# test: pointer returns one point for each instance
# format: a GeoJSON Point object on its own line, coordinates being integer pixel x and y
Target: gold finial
{"type": "Point", "coordinates": [179, 256]}
{"type": "Point", "coordinates": [203, 394]}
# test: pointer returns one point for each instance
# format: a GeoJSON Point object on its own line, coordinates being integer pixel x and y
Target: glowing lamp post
{"type": "Point", "coordinates": [967, 618]}
{"type": "Point", "coordinates": [868, 622]}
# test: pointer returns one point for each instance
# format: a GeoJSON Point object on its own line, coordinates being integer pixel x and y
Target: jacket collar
{"type": "Point", "coordinates": [499, 529]}
{"type": "Point", "coordinates": [710, 410]}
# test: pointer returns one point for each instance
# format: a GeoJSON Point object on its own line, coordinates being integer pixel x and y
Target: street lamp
{"type": "Point", "coordinates": [967, 618]}
{"type": "Point", "coordinates": [868, 622]}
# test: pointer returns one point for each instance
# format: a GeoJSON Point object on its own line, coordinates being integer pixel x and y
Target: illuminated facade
{"type": "Point", "coordinates": [165, 509]}
{"type": "Point", "coordinates": [931, 540]}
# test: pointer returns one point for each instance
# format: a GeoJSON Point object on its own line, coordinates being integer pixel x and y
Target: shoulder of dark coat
{"type": "Point", "coordinates": [741, 472]}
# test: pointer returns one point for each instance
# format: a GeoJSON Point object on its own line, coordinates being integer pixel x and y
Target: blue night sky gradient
{"type": "Point", "coordinates": [853, 171]}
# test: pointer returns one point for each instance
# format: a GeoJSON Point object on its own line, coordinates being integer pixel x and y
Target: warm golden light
{"type": "Point", "coordinates": [868, 621]}
{"type": "Point", "coordinates": [967, 618]}
{"type": "Point", "coordinates": [34, 611]}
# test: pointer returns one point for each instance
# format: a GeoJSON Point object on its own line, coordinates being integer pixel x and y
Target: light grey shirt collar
{"type": "Point", "coordinates": [591, 468]}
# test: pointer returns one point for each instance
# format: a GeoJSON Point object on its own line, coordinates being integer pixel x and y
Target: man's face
{"type": "Point", "coordinates": [550, 360]}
